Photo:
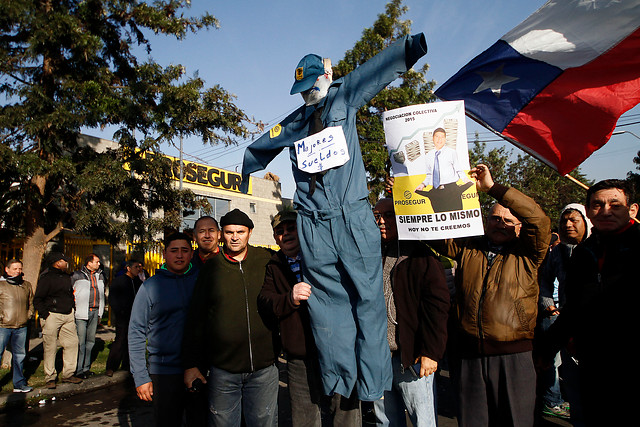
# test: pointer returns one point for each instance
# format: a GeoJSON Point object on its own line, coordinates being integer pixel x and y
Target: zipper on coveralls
{"type": "Point", "coordinates": [246, 304]}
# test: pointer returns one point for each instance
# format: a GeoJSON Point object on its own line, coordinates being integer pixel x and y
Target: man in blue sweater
{"type": "Point", "coordinates": [156, 325]}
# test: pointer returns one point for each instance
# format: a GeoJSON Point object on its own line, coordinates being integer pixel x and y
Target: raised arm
{"type": "Point", "coordinates": [368, 79]}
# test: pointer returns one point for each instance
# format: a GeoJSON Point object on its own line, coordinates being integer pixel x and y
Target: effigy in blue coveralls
{"type": "Point", "coordinates": [339, 239]}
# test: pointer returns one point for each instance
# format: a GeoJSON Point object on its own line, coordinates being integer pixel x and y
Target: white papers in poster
{"type": "Point", "coordinates": [451, 209]}
{"type": "Point", "coordinates": [322, 151]}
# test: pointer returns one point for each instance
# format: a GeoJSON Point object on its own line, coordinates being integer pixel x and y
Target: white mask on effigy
{"type": "Point", "coordinates": [318, 91]}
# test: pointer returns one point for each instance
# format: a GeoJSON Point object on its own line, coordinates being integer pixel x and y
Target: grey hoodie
{"type": "Point", "coordinates": [555, 265]}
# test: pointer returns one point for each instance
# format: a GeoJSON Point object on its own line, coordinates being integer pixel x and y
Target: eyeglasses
{"type": "Point", "coordinates": [388, 216]}
{"type": "Point", "coordinates": [279, 231]}
{"type": "Point", "coordinates": [507, 222]}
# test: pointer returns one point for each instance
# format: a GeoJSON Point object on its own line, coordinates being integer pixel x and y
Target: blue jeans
{"type": "Point", "coordinates": [86, 339]}
{"type": "Point", "coordinates": [549, 378]}
{"type": "Point", "coordinates": [254, 394]}
{"type": "Point", "coordinates": [18, 339]}
{"type": "Point", "coordinates": [416, 395]}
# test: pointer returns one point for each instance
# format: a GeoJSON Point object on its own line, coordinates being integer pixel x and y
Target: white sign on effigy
{"type": "Point", "coordinates": [433, 196]}
{"type": "Point", "coordinates": [322, 151]}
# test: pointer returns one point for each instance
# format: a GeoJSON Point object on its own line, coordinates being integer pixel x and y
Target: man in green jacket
{"type": "Point", "coordinates": [225, 333]}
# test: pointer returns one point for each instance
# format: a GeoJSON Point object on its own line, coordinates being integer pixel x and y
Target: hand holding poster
{"type": "Point", "coordinates": [434, 198]}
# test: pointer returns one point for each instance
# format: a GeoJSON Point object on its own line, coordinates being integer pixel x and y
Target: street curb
{"type": "Point", "coordinates": [63, 390]}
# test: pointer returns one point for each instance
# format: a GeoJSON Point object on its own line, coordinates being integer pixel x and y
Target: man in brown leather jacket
{"type": "Point", "coordinates": [16, 308]}
{"type": "Point", "coordinates": [496, 307]}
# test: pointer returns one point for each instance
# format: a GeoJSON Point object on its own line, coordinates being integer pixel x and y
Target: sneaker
{"type": "Point", "coordinates": [85, 375]}
{"type": "Point", "coordinates": [556, 411]}
{"type": "Point", "coordinates": [51, 384]}
{"type": "Point", "coordinates": [24, 389]}
{"type": "Point", "coordinates": [72, 379]}
{"type": "Point", "coordinates": [109, 372]}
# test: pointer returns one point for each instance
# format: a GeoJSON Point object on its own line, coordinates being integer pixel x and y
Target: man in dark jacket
{"type": "Point", "coordinates": [573, 228]}
{"type": "Point", "coordinates": [54, 302]}
{"type": "Point", "coordinates": [16, 308]}
{"type": "Point", "coordinates": [496, 308]}
{"type": "Point", "coordinates": [417, 300]}
{"type": "Point", "coordinates": [604, 270]}
{"type": "Point", "coordinates": [284, 296]}
{"type": "Point", "coordinates": [122, 292]}
{"type": "Point", "coordinates": [225, 332]}
{"type": "Point", "coordinates": [156, 328]}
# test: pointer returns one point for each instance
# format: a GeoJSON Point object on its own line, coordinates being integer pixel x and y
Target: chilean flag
{"type": "Point", "coordinates": [556, 84]}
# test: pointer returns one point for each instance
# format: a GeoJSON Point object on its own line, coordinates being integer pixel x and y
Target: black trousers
{"type": "Point", "coordinates": [497, 390]}
{"type": "Point", "coordinates": [119, 352]}
{"type": "Point", "coordinates": [169, 396]}
{"type": "Point", "coordinates": [174, 406]}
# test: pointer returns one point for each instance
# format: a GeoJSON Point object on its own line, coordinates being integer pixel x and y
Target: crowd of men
{"type": "Point", "coordinates": [524, 326]}
{"type": "Point", "coordinates": [70, 308]}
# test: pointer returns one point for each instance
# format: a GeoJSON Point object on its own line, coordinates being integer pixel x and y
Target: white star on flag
{"type": "Point", "coordinates": [494, 80]}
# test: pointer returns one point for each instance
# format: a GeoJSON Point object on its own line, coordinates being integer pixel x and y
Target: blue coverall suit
{"type": "Point", "coordinates": [339, 239]}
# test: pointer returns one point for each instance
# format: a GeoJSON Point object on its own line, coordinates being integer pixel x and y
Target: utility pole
{"type": "Point", "coordinates": [180, 185]}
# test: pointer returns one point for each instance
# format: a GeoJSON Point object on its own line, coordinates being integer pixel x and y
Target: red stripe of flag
{"type": "Point", "coordinates": [576, 113]}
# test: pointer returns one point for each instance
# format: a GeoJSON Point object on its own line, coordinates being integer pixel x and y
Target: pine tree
{"type": "Point", "coordinates": [547, 187]}
{"type": "Point", "coordinates": [66, 65]}
{"type": "Point", "coordinates": [413, 89]}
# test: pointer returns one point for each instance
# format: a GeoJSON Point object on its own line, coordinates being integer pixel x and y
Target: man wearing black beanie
{"type": "Point", "coordinates": [225, 333]}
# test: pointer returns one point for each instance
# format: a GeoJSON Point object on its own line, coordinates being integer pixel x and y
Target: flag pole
{"type": "Point", "coordinates": [575, 181]}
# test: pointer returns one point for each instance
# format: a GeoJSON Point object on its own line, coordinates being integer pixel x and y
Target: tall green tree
{"type": "Point", "coordinates": [66, 65]}
{"type": "Point", "coordinates": [413, 88]}
{"type": "Point", "coordinates": [634, 178]}
{"type": "Point", "coordinates": [549, 189]}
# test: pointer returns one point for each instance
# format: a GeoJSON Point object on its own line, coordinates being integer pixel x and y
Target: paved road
{"type": "Point", "coordinates": [118, 405]}
{"type": "Point", "coordinates": [113, 406]}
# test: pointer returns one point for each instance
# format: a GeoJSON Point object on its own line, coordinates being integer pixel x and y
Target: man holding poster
{"type": "Point", "coordinates": [496, 307]}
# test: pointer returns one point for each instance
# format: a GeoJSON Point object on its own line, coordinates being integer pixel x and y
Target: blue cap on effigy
{"type": "Point", "coordinates": [307, 72]}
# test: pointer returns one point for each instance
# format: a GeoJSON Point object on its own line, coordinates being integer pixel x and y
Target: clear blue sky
{"type": "Point", "coordinates": [254, 53]}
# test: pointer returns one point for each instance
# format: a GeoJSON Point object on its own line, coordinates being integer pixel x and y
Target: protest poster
{"type": "Point", "coordinates": [322, 151]}
{"type": "Point", "coordinates": [433, 196]}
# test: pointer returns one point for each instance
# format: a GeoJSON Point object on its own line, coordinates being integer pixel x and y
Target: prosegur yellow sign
{"type": "Point", "coordinates": [199, 174]}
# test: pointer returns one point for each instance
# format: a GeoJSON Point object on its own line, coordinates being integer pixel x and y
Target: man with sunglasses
{"type": "Point", "coordinates": [496, 307]}
{"type": "Point", "coordinates": [284, 296]}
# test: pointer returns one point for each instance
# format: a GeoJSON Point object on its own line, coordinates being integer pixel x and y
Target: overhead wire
{"type": "Point", "coordinates": [209, 153]}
